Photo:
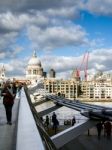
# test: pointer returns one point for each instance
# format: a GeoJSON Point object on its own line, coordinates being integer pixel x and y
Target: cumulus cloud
{"type": "Point", "coordinates": [50, 24]}
{"type": "Point", "coordinates": [59, 36]}
{"type": "Point", "coordinates": [62, 12]}
{"type": "Point", "coordinates": [59, 63]}
{"type": "Point", "coordinates": [100, 7]}
{"type": "Point", "coordinates": [15, 68]}
{"type": "Point", "coordinates": [10, 22]}
{"type": "Point", "coordinates": [38, 22]}
{"type": "Point", "coordinates": [8, 48]}
{"type": "Point", "coordinates": [6, 42]}
{"type": "Point", "coordinates": [13, 25]}
{"type": "Point", "coordinates": [99, 59]}
{"type": "Point", "coordinates": [26, 5]}
{"type": "Point", "coordinates": [42, 22]}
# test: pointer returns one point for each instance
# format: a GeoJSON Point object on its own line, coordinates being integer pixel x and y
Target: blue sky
{"type": "Point", "coordinates": [97, 26]}
{"type": "Point", "coordinates": [59, 32]}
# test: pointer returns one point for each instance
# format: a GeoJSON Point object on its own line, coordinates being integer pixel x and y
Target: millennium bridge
{"type": "Point", "coordinates": [28, 132]}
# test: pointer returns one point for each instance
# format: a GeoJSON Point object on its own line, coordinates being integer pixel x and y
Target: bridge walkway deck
{"type": "Point", "coordinates": [85, 142]}
{"type": "Point", "coordinates": [8, 132]}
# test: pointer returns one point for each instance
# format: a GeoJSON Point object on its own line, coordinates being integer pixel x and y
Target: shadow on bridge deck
{"type": "Point", "coordinates": [8, 132]}
{"type": "Point", "coordinates": [85, 142]}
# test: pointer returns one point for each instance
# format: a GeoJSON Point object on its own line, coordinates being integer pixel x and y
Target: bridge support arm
{"type": "Point", "coordinates": [68, 135]}
{"type": "Point", "coordinates": [40, 102]}
{"type": "Point", "coordinates": [49, 110]}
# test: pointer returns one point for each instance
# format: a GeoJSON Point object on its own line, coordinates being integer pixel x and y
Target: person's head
{"type": "Point", "coordinates": [7, 83]}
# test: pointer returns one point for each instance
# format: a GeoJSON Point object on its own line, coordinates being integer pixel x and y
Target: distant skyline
{"type": "Point", "coordinates": [60, 31]}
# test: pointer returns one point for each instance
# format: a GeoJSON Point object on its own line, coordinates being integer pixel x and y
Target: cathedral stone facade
{"type": "Point", "coordinates": [2, 73]}
{"type": "Point", "coordinates": [34, 69]}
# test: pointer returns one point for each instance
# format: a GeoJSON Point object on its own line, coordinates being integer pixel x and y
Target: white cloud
{"type": "Point", "coordinates": [64, 75]}
{"type": "Point", "coordinates": [48, 25]}
{"type": "Point", "coordinates": [8, 48]}
{"type": "Point", "coordinates": [26, 5]}
{"type": "Point", "coordinates": [12, 26]}
{"type": "Point", "coordinates": [10, 22]}
{"type": "Point", "coordinates": [6, 39]}
{"type": "Point", "coordinates": [59, 63]}
{"type": "Point", "coordinates": [58, 36]}
{"type": "Point", "coordinates": [15, 68]}
{"type": "Point", "coordinates": [2, 55]}
{"type": "Point", "coordinates": [65, 8]}
{"type": "Point", "coordinates": [100, 7]}
{"type": "Point", "coordinates": [99, 59]}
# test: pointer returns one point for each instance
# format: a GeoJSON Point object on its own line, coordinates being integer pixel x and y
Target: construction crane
{"type": "Point", "coordinates": [84, 66]}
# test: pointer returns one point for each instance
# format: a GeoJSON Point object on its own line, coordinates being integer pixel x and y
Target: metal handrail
{"type": "Point", "coordinates": [44, 135]}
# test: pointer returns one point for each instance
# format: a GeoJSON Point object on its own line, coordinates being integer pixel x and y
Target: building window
{"type": "Point", "coordinates": [34, 71]}
{"type": "Point", "coordinates": [29, 71]}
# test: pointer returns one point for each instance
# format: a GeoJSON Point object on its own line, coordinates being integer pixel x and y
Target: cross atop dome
{"type": "Point", "coordinates": [34, 53]}
{"type": "Point", "coordinates": [3, 68]}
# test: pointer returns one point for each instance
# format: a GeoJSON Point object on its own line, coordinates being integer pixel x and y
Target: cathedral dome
{"type": "Point", "coordinates": [34, 61]}
{"type": "Point", "coordinates": [34, 70]}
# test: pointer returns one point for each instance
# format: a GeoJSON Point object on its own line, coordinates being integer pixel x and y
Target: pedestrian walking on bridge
{"type": "Point", "coordinates": [108, 129]}
{"type": "Point", "coordinates": [47, 122]}
{"type": "Point", "coordinates": [55, 122]}
{"type": "Point", "coordinates": [99, 129]}
{"type": "Point", "coordinates": [73, 120]}
{"type": "Point", "coordinates": [8, 93]}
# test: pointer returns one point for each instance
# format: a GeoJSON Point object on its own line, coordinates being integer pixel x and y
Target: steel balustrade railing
{"type": "Point", "coordinates": [49, 145]}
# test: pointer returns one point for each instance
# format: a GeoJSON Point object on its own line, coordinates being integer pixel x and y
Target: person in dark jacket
{"type": "Point", "coordinates": [108, 129]}
{"type": "Point", "coordinates": [8, 100]}
{"type": "Point", "coordinates": [55, 122]}
{"type": "Point", "coordinates": [47, 121]}
{"type": "Point", "coordinates": [99, 129]}
{"type": "Point", "coordinates": [73, 121]}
